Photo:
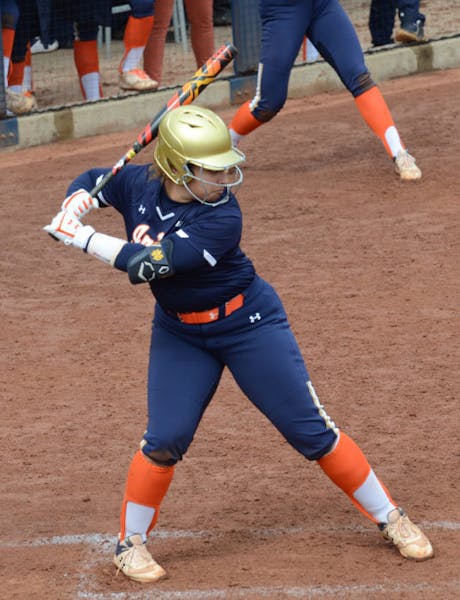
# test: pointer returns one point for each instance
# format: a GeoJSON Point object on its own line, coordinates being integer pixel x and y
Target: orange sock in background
{"type": "Point", "coordinates": [145, 489]}
{"type": "Point", "coordinates": [137, 33]}
{"type": "Point", "coordinates": [7, 41]}
{"type": "Point", "coordinates": [349, 469]}
{"type": "Point", "coordinates": [16, 76]}
{"type": "Point", "coordinates": [27, 82]}
{"type": "Point", "coordinates": [243, 121]}
{"type": "Point", "coordinates": [87, 62]}
{"type": "Point", "coordinates": [376, 113]}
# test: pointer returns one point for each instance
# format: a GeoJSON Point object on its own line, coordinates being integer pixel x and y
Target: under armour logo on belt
{"type": "Point", "coordinates": [254, 318]}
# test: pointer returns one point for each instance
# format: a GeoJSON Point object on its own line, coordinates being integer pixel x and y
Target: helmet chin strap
{"type": "Point", "coordinates": [225, 197]}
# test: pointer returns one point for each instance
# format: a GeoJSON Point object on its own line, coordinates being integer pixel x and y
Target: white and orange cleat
{"type": "Point", "coordinates": [20, 103]}
{"type": "Point", "coordinates": [137, 80]}
{"type": "Point", "coordinates": [405, 166]}
{"type": "Point", "coordinates": [409, 539]}
{"type": "Point", "coordinates": [134, 560]}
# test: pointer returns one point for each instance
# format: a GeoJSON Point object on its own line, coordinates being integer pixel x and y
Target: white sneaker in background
{"type": "Point", "coordinates": [36, 47]}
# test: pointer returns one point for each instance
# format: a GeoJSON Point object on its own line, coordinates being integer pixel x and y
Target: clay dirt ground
{"type": "Point", "coordinates": [368, 268]}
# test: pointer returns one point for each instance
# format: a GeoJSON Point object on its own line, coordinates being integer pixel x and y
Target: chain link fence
{"type": "Point", "coordinates": [56, 83]}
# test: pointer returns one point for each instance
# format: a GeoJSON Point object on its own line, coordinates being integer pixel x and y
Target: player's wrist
{"type": "Point", "coordinates": [82, 237]}
{"type": "Point", "coordinates": [104, 247]}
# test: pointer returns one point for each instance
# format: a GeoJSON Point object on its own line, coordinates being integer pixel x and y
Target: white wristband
{"type": "Point", "coordinates": [82, 235]}
{"type": "Point", "coordinates": [105, 247]}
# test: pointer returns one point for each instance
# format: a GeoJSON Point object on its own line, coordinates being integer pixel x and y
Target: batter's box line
{"type": "Point", "coordinates": [356, 591]}
{"type": "Point", "coordinates": [106, 542]}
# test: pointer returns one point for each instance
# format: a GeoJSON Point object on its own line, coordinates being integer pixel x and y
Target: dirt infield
{"type": "Point", "coordinates": [368, 268]}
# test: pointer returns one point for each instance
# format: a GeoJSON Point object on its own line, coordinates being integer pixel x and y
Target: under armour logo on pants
{"type": "Point", "coordinates": [254, 318]}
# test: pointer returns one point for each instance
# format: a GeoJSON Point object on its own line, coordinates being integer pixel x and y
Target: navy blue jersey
{"type": "Point", "coordinates": [210, 267]}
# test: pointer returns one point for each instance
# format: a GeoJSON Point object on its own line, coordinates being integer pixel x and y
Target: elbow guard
{"type": "Point", "coordinates": [154, 262]}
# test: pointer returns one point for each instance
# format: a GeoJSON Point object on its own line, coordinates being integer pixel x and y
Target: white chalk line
{"type": "Point", "coordinates": [99, 539]}
{"type": "Point", "coordinates": [311, 591]}
{"type": "Point", "coordinates": [106, 543]}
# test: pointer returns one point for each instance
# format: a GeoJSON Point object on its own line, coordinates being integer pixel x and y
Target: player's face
{"type": "Point", "coordinates": [210, 186]}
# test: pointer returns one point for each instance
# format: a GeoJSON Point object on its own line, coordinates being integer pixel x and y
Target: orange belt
{"type": "Point", "coordinates": [213, 314]}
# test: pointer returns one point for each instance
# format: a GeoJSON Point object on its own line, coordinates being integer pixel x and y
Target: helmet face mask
{"type": "Point", "coordinates": [214, 190]}
{"type": "Point", "coordinates": [191, 136]}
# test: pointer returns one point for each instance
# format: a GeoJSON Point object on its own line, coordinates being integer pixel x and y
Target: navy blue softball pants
{"type": "Point", "coordinates": [258, 347]}
{"type": "Point", "coordinates": [284, 25]}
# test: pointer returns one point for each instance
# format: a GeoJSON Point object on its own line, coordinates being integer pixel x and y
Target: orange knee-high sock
{"type": "Point", "coordinates": [243, 121]}
{"type": "Point", "coordinates": [374, 110]}
{"type": "Point", "coordinates": [87, 62]}
{"type": "Point", "coordinates": [349, 469]}
{"type": "Point", "coordinates": [16, 76]}
{"type": "Point", "coordinates": [7, 42]}
{"type": "Point", "coordinates": [146, 486]}
{"type": "Point", "coordinates": [136, 36]}
{"type": "Point", "coordinates": [27, 82]}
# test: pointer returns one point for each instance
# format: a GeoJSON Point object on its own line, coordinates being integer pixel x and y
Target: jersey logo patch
{"type": "Point", "coordinates": [255, 317]}
{"type": "Point", "coordinates": [157, 254]}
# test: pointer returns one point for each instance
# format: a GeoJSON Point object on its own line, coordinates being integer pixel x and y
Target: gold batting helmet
{"type": "Point", "coordinates": [197, 136]}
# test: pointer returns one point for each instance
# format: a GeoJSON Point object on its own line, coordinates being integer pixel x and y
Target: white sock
{"type": "Point", "coordinates": [312, 52]}
{"type": "Point", "coordinates": [138, 519]}
{"type": "Point", "coordinates": [133, 59]}
{"type": "Point", "coordinates": [27, 81]}
{"type": "Point", "coordinates": [236, 137]}
{"type": "Point", "coordinates": [17, 89]}
{"type": "Point", "coordinates": [90, 83]}
{"type": "Point", "coordinates": [393, 140]}
{"type": "Point", "coordinates": [373, 498]}
{"type": "Point", "coordinates": [6, 66]}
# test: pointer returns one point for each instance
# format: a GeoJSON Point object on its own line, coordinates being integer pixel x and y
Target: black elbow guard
{"type": "Point", "coordinates": [154, 262]}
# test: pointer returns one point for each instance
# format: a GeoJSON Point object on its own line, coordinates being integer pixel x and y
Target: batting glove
{"type": "Point", "coordinates": [64, 227]}
{"type": "Point", "coordinates": [79, 203]}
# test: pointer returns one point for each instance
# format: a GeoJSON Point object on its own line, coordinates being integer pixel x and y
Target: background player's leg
{"type": "Point", "coordinates": [155, 48]}
{"type": "Point", "coordinates": [200, 15]}
{"type": "Point", "coordinates": [137, 32]}
{"type": "Point", "coordinates": [342, 50]}
{"type": "Point", "coordinates": [381, 21]}
{"type": "Point", "coordinates": [283, 29]}
{"type": "Point", "coordinates": [86, 59]}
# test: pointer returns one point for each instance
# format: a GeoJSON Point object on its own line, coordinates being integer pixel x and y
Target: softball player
{"type": "Point", "coordinates": [183, 226]}
{"type": "Point", "coordinates": [285, 23]}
